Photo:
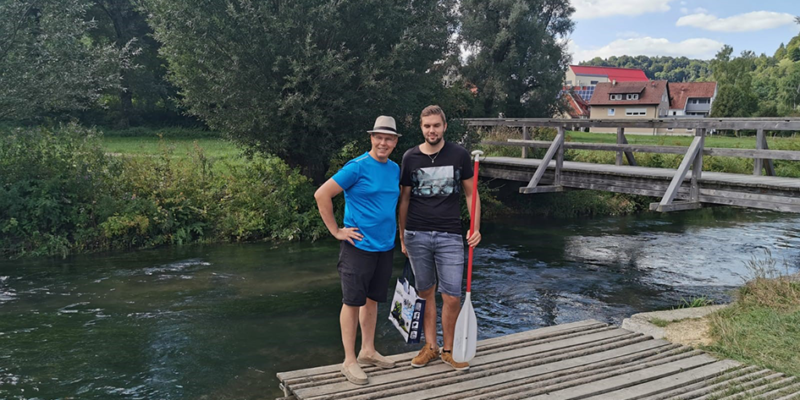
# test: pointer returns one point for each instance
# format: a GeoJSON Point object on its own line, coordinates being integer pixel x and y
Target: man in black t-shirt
{"type": "Point", "coordinates": [433, 176]}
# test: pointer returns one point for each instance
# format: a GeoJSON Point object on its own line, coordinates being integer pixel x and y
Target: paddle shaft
{"type": "Point", "coordinates": [472, 222]}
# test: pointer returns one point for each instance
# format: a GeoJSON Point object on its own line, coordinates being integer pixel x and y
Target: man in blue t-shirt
{"type": "Point", "coordinates": [371, 185]}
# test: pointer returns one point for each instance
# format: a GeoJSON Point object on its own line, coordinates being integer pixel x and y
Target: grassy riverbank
{"type": "Point", "coordinates": [762, 326]}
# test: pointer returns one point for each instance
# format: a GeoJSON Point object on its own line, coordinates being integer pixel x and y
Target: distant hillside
{"type": "Point", "coordinates": [673, 69]}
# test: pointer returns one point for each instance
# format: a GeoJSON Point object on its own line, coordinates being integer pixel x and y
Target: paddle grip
{"type": "Point", "coordinates": [472, 222]}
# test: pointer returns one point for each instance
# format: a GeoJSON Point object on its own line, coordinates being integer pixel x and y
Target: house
{"type": "Point", "coordinates": [575, 107]}
{"type": "Point", "coordinates": [629, 100]}
{"type": "Point", "coordinates": [585, 78]}
{"type": "Point", "coordinates": [691, 98]}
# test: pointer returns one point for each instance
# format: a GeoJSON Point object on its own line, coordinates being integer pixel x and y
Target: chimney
{"type": "Point", "coordinates": [613, 82]}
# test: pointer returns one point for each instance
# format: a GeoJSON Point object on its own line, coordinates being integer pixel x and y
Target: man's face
{"type": "Point", "coordinates": [433, 128]}
{"type": "Point", "coordinates": [383, 144]}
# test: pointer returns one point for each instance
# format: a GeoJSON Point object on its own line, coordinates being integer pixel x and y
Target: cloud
{"type": "Point", "coordinates": [752, 21]}
{"type": "Point", "coordinates": [700, 48]}
{"type": "Point", "coordinates": [589, 9]}
{"type": "Point", "coordinates": [684, 10]}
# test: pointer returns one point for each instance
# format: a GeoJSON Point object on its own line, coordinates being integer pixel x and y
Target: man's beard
{"type": "Point", "coordinates": [434, 142]}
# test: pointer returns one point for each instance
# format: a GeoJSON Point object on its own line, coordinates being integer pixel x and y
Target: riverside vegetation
{"type": "Point", "coordinates": [62, 193]}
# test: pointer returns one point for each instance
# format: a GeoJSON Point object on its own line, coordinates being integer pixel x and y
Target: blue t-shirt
{"type": "Point", "coordinates": [371, 189]}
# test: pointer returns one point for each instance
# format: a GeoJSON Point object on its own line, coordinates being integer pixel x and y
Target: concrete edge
{"type": "Point", "coordinates": [640, 323]}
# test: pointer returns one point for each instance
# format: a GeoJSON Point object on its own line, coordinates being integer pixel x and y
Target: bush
{"type": "Point", "coordinates": [60, 194]}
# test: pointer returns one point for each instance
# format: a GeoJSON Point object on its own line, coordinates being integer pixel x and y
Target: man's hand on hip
{"type": "Point", "coordinates": [348, 234]}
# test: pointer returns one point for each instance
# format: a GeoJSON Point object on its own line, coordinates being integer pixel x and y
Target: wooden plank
{"type": "Point", "coordinates": [536, 334]}
{"type": "Point", "coordinates": [397, 376]}
{"type": "Point", "coordinates": [635, 378]}
{"type": "Point", "coordinates": [731, 377]}
{"type": "Point", "coordinates": [773, 124]}
{"type": "Point", "coordinates": [525, 136]}
{"type": "Point", "coordinates": [593, 361]}
{"type": "Point", "coordinates": [769, 164]}
{"type": "Point", "coordinates": [541, 189]}
{"type": "Point", "coordinates": [703, 373]}
{"type": "Point", "coordinates": [560, 156]}
{"type": "Point", "coordinates": [546, 160]}
{"type": "Point", "coordinates": [697, 167]}
{"type": "Point", "coordinates": [680, 175]}
{"type": "Point", "coordinates": [628, 154]}
{"type": "Point", "coordinates": [758, 163]}
{"type": "Point", "coordinates": [620, 135]}
{"type": "Point", "coordinates": [676, 206]}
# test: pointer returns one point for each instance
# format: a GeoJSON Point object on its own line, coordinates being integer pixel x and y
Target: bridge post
{"type": "Point", "coordinates": [560, 155]}
{"type": "Point", "coordinates": [697, 167]}
{"type": "Point", "coordinates": [620, 140]}
{"type": "Point", "coordinates": [759, 162]}
{"type": "Point", "coordinates": [525, 136]}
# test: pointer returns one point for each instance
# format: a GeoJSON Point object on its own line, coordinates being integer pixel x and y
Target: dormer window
{"type": "Point", "coordinates": [634, 96]}
{"type": "Point", "coordinates": [616, 97]}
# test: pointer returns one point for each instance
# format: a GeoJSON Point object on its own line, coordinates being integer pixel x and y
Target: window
{"type": "Point", "coordinates": [704, 101]}
{"type": "Point", "coordinates": [569, 83]}
{"type": "Point", "coordinates": [616, 97]}
{"type": "Point", "coordinates": [611, 111]}
{"type": "Point", "coordinates": [669, 129]}
{"type": "Point", "coordinates": [593, 82]}
{"type": "Point", "coordinates": [633, 112]}
{"type": "Point", "coordinates": [674, 113]}
{"type": "Point", "coordinates": [632, 97]}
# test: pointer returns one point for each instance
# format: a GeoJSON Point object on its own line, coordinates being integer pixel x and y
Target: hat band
{"type": "Point", "coordinates": [388, 128]}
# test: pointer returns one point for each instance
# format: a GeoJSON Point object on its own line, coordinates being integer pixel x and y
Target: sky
{"type": "Point", "coordinates": [691, 28]}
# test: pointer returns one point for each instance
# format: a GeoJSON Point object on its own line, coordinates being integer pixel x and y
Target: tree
{"type": "Point", "coordinates": [518, 55]}
{"type": "Point", "coordinates": [47, 63]}
{"type": "Point", "coordinates": [299, 79]}
{"type": "Point", "coordinates": [735, 97]}
{"type": "Point", "coordinates": [143, 82]}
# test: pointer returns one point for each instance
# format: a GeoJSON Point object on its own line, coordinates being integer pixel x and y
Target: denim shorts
{"type": "Point", "coordinates": [435, 254]}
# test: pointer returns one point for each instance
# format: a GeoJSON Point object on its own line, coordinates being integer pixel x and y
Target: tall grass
{"type": "Point", "coordinates": [762, 326]}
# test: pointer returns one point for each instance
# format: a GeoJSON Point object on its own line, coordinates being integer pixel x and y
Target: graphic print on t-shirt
{"type": "Point", "coordinates": [435, 181]}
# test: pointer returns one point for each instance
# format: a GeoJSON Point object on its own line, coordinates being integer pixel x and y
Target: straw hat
{"type": "Point", "coordinates": [385, 124]}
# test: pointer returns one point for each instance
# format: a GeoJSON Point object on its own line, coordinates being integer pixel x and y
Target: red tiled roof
{"type": "Point", "coordinates": [616, 74]}
{"type": "Point", "coordinates": [652, 93]}
{"type": "Point", "coordinates": [680, 92]}
{"type": "Point", "coordinates": [576, 106]}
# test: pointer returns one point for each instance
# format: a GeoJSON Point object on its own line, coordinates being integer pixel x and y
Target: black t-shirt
{"type": "Point", "coordinates": [435, 182]}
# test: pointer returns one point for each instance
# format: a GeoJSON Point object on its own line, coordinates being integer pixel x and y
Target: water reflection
{"type": "Point", "coordinates": [218, 322]}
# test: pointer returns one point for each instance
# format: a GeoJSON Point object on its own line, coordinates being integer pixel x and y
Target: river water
{"type": "Point", "coordinates": [217, 322]}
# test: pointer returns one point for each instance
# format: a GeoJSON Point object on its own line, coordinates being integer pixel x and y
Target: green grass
{"type": "Point", "coordinates": [661, 323]}
{"type": "Point", "coordinates": [762, 326]}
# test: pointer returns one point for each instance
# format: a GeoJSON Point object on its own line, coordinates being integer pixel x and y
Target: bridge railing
{"type": "Point", "coordinates": [693, 154]}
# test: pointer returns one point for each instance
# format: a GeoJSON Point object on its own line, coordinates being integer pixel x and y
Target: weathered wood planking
{"type": "Point", "coordinates": [769, 124]}
{"type": "Point", "coordinates": [763, 192]}
{"type": "Point", "coordinates": [581, 360]}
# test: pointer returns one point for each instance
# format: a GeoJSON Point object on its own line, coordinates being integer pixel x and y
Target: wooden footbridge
{"type": "Point", "coordinates": [581, 360]}
{"type": "Point", "coordinates": [689, 185]}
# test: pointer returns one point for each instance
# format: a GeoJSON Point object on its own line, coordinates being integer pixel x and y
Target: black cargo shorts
{"type": "Point", "coordinates": [364, 274]}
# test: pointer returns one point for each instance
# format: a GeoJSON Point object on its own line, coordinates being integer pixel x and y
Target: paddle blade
{"type": "Point", "coordinates": [466, 335]}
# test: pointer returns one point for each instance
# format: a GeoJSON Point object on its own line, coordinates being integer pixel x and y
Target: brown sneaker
{"type": "Point", "coordinates": [447, 357]}
{"type": "Point", "coordinates": [426, 355]}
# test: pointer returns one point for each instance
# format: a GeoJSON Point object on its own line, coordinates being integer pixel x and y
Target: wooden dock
{"type": "Point", "coordinates": [580, 360]}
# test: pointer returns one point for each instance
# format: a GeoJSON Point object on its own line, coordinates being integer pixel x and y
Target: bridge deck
{"type": "Point", "coordinates": [766, 192]}
{"type": "Point", "coordinates": [586, 359]}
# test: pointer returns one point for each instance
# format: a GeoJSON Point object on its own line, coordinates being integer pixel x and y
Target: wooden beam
{"type": "Point", "coordinates": [697, 167]}
{"type": "Point", "coordinates": [677, 180]}
{"type": "Point", "coordinates": [541, 189]}
{"type": "Point", "coordinates": [775, 124]}
{"type": "Point", "coordinates": [525, 136]}
{"type": "Point", "coordinates": [758, 163]}
{"type": "Point", "coordinates": [620, 136]}
{"type": "Point", "coordinates": [677, 206]}
{"type": "Point", "coordinates": [791, 155]}
{"type": "Point", "coordinates": [560, 155]}
{"type": "Point", "coordinates": [769, 164]}
{"type": "Point", "coordinates": [557, 142]}
{"type": "Point", "coordinates": [628, 154]}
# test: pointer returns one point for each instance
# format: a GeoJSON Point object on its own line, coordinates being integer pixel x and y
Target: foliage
{"type": "Point", "coordinates": [48, 64]}
{"type": "Point", "coordinates": [300, 79]}
{"type": "Point", "coordinates": [60, 194]}
{"type": "Point", "coordinates": [673, 69]}
{"type": "Point", "coordinates": [735, 95]}
{"type": "Point", "coordinates": [517, 59]}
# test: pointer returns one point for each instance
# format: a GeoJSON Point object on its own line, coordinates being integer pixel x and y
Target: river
{"type": "Point", "coordinates": [218, 321]}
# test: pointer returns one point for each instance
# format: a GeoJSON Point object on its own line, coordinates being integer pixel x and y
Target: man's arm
{"type": "Point", "coordinates": [475, 237]}
{"type": "Point", "coordinates": [324, 196]}
{"type": "Point", "coordinates": [402, 213]}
